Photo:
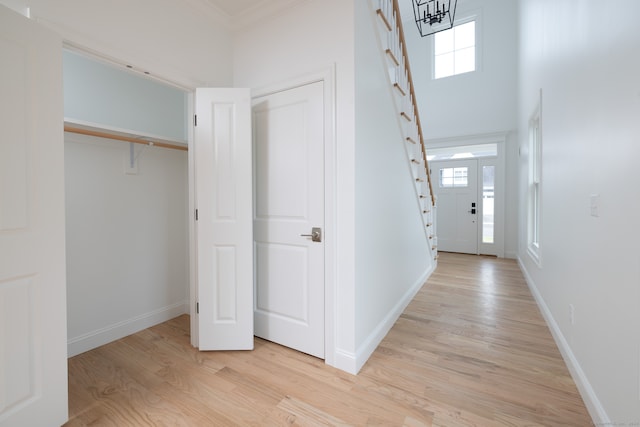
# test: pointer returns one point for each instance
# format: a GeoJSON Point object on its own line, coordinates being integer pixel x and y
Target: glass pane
{"type": "Point", "coordinates": [476, 150]}
{"type": "Point", "coordinates": [465, 35]}
{"type": "Point", "coordinates": [444, 65]}
{"type": "Point", "coordinates": [488, 188]}
{"type": "Point", "coordinates": [446, 177]}
{"type": "Point", "coordinates": [443, 42]}
{"type": "Point", "coordinates": [460, 177]}
{"type": "Point", "coordinates": [465, 60]}
{"type": "Point", "coordinates": [536, 214]}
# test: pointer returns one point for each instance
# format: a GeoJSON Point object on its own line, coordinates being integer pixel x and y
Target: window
{"type": "Point", "coordinates": [454, 177]}
{"type": "Point", "coordinates": [535, 182]}
{"type": "Point", "coordinates": [488, 205]}
{"type": "Point", "coordinates": [455, 50]}
{"type": "Point", "coordinates": [463, 152]}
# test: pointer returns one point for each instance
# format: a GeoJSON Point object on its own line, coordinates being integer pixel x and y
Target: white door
{"type": "Point", "coordinates": [33, 327]}
{"type": "Point", "coordinates": [224, 226]}
{"type": "Point", "coordinates": [456, 187]}
{"type": "Point", "coordinates": [289, 207]}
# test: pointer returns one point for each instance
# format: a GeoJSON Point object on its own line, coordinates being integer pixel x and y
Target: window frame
{"type": "Point", "coordinates": [457, 174]}
{"type": "Point", "coordinates": [471, 17]}
{"type": "Point", "coordinates": [534, 198]}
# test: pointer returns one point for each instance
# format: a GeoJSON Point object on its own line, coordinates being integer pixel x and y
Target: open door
{"type": "Point", "coordinates": [33, 326]}
{"type": "Point", "coordinates": [224, 219]}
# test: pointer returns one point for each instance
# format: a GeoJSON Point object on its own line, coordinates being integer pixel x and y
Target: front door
{"type": "Point", "coordinates": [289, 217]}
{"type": "Point", "coordinates": [456, 187]}
{"type": "Point", "coordinates": [33, 325]}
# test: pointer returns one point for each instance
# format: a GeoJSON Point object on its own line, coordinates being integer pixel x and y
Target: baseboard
{"type": "Point", "coordinates": [510, 255]}
{"type": "Point", "coordinates": [367, 348]}
{"type": "Point", "coordinates": [345, 361]}
{"type": "Point", "coordinates": [596, 410]}
{"type": "Point", "coordinates": [122, 329]}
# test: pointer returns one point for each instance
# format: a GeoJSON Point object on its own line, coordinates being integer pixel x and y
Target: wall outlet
{"type": "Point", "coordinates": [572, 314]}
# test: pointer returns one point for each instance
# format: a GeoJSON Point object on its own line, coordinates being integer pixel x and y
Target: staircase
{"type": "Point", "coordinates": [392, 41]}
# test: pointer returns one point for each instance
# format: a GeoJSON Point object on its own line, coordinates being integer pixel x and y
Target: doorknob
{"type": "Point", "coordinates": [472, 211]}
{"type": "Point", "coordinates": [316, 234]}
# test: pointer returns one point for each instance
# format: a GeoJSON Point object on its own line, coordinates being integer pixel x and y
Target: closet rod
{"type": "Point", "coordinates": [107, 135]}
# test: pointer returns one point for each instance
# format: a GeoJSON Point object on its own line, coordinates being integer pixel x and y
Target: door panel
{"type": "Point", "coordinates": [456, 186]}
{"type": "Point", "coordinates": [33, 329]}
{"type": "Point", "coordinates": [224, 227]}
{"type": "Point", "coordinates": [289, 202]}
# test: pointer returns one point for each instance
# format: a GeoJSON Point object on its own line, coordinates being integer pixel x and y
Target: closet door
{"type": "Point", "coordinates": [33, 327]}
{"type": "Point", "coordinates": [224, 226]}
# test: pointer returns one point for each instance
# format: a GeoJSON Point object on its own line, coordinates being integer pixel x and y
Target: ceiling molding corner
{"type": "Point", "coordinates": [213, 11]}
{"type": "Point", "coordinates": [261, 11]}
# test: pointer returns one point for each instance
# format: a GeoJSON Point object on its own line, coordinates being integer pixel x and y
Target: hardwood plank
{"type": "Point", "coordinates": [471, 349]}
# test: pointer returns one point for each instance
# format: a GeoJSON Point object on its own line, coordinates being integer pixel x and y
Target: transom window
{"type": "Point", "coordinates": [454, 177]}
{"type": "Point", "coordinates": [455, 50]}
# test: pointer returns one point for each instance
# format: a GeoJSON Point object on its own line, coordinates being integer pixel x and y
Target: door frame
{"type": "Point", "coordinates": [500, 139]}
{"type": "Point", "coordinates": [435, 167]}
{"type": "Point", "coordinates": [327, 76]}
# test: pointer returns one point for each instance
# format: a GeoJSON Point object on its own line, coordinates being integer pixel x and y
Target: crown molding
{"type": "Point", "coordinates": [214, 12]}
{"type": "Point", "coordinates": [262, 11]}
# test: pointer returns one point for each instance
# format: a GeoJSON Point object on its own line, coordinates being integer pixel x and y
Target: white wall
{"type": "Point", "coordinates": [379, 254]}
{"type": "Point", "coordinates": [181, 42]}
{"type": "Point", "coordinates": [478, 103]}
{"type": "Point", "coordinates": [127, 239]}
{"type": "Point", "coordinates": [184, 42]}
{"type": "Point", "coordinates": [586, 62]}
{"type": "Point", "coordinates": [311, 37]}
{"type": "Point", "coordinates": [100, 93]}
{"type": "Point", "coordinates": [391, 246]}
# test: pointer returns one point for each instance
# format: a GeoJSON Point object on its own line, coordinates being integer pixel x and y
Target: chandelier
{"type": "Point", "coordinates": [433, 16]}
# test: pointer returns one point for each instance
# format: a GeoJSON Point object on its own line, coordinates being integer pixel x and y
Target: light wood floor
{"type": "Point", "coordinates": [470, 350]}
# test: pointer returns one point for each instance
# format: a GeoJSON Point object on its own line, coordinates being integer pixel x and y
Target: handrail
{"type": "Point", "coordinates": [403, 44]}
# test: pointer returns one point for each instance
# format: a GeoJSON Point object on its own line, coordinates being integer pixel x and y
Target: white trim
{"type": "Point", "coordinates": [261, 11]}
{"type": "Point", "coordinates": [534, 175]}
{"type": "Point", "coordinates": [500, 217]}
{"type": "Point", "coordinates": [497, 247]}
{"type": "Point", "coordinates": [366, 349]}
{"type": "Point", "coordinates": [326, 75]}
{"type": "Point", "coordinates": [473, 139]}
{"type": "Point", "coordinates": [193, 242]}
{"type": "Point", "coordinates": [122, 65]}
{"type": "Point", "coordinates": [345, 361]}
{"type": "Point", "coordinates": [102, 336]}
{"type": "Point", "coordinates": [595, 408]}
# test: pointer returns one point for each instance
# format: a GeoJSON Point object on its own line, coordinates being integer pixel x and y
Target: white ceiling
{"type": "Point", "coordinates": [236, 7]}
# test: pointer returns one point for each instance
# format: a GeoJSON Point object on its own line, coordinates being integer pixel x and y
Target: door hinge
{"type": "Point", "coordinates": [197, 308]}
{"type": "Point", "coordinates": [196, 214]}
{"type": "Point", "coordinates": [195, 120]}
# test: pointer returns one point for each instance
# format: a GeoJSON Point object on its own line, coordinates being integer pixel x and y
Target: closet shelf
{"type": "Point", "coordinates": [122, 136]}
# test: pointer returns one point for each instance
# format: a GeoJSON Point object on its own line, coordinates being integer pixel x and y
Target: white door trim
{"type": "Point", "coordinates": [327, 76]}
{"type": "Point", "coordinates": [499, 138]}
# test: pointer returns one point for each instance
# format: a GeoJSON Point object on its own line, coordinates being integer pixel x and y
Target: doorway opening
{"type": "Point", "coordinates": [468, 178]}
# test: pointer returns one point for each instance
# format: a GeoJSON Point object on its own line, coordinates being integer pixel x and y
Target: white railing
{"type": "Point", "coordinates": [394, 46]}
